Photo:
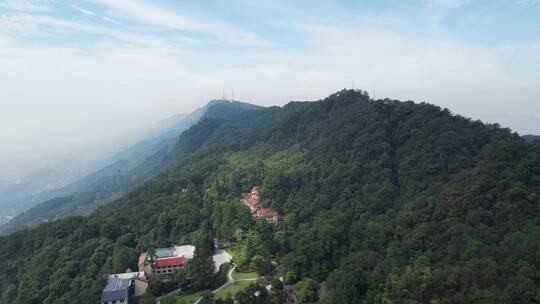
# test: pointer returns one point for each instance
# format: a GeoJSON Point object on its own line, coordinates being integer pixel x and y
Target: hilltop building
{"type": "Point", "coordinates": [122, 288]}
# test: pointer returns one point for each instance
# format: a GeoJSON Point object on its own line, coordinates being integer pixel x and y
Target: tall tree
{"type": "Point", "coordinates": [202, 265]}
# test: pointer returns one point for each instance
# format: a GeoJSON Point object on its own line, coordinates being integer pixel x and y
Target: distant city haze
{"type": "Point", "coordinates": [79, 80]}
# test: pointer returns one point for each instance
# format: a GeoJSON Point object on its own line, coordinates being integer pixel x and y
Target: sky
{"type": "Point", "coordinates": [77, 77]}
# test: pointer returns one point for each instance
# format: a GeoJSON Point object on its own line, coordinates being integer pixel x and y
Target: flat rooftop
{"type": "Point", "coordinates": [220, 256]}
{"type": "Point", "coordinates": [127, 275]}
{"type": "Point", "coordinates": [164, 252]}
{"type": "Point", "coordinates": [116, 283]}
{"type": "Point", "coordinates": [186, 251]}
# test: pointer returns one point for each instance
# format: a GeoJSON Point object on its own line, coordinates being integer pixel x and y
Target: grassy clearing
{"type": "Point", "coordinates": [231, 290]}
{"type": "Point", "coordinates": [244, 275]}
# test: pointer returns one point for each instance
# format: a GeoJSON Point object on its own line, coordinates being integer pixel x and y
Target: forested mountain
{"type": "Point", "coordinates": [385, 201]}
{"type": "Point", "coordinates": [531, 138]}
{"type": "Point", "coordinates": [126, 170]}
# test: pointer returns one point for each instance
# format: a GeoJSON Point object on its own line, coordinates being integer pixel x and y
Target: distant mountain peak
{"type": "Point", "coordinates": [229, 102]}
{"type": "Point", "coordinates": [348, 93]}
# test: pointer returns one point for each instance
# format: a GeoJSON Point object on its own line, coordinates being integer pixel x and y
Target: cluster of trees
{"type": "Point", "coordinates": [306, 290]}
{"type": "Point", "coordinates": [384, 201]}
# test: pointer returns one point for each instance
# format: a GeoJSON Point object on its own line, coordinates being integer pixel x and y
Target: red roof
{"type": "Point", "coordinates": [267, 212]}
{"type": "Point", "coordinates": [166, 262]}
{"type": "Point", "coordinates": [252, 201]}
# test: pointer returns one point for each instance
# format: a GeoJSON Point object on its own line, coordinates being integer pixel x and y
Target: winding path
{"type": "Point", "coordinates": [230, 280]}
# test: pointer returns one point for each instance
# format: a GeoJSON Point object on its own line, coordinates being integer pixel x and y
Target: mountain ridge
{"type": "Point", "coordinates": [386, 201]}
{"type": "Point", "coordinates": [531, 138]}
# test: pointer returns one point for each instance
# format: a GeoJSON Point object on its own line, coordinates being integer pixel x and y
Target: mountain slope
{"type": "Point", "coordinates": [18, 196]}
{"type": "Point", "coordinates": [386, 201]}
{"type": "Point", "coordinates": [64, 177]}
{"type": "Point", "coordinates": [531, 138]}
{"type": "Point", "coordinates": [73, 173]}
{"type": "Point", "coordinates": [126, 170]}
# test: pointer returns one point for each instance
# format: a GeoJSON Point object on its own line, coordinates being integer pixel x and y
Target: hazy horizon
{"type": "Point", "coordinates": [81, 78]}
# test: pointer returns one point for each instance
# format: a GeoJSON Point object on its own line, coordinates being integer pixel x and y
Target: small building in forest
{"type": "Point", "coordinates": [123, 288]}
{"type": "Point", "coordinates": [165, 260]}
{"type": "Point", "coordinates": [268, 214]}
{"type": "Point", "coordinates": [252, 200]}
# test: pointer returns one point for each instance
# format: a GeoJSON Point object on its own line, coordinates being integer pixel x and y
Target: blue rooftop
{"type": "Point", "coordinates": [114, 295]}
{"type": "Point", "coordinates": [115, 290]}
{"type": "Point", "coordinates": [111, 284]}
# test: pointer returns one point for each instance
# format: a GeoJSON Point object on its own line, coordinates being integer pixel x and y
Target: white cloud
{"type": "Point", "coordinates": [111, 20]}
{"type": "Point", "coordinates": [84, 11]}
{"type": "Point", "coordinates": [522, 3]}
{"type": "Point", "coordinates": [438, 4]}
{"type": "Point", "coordinates": [452, 4]}
{"type": "Point", "coordinates": [148, 13]}
{"type": "Point", "coordinates": [158, 16]}
{"type": "Point", "coordinates": [43, 25]}
{"type": "Point", "coordinates": [26, 5]}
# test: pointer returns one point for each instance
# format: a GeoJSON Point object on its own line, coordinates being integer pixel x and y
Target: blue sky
{"type": "Point", "coordinates": [82, 74]}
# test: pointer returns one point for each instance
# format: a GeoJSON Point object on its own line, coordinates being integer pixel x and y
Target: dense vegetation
{"type": "Point", "coordinates": [385, 201]}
